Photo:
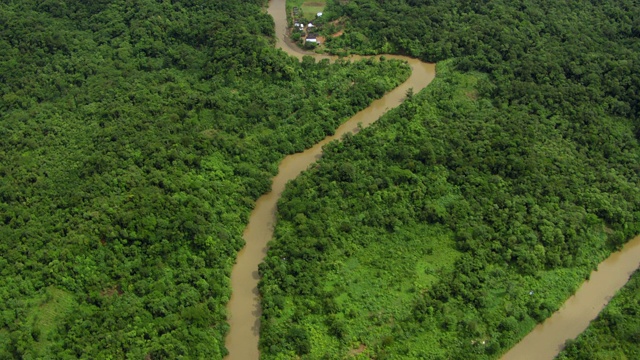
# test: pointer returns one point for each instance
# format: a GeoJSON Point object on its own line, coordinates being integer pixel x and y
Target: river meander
{"type": "Point", "coordinates": [244, 306]}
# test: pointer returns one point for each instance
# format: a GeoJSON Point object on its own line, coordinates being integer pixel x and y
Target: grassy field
{"type": "Point", "coordinates": [55, 303]}
{"type": "Point", "coordinates": [377, 283]}
{"type": "Point", "coordinates": [309, 8]}
{"type": "Point", "coordinates": [43, 316]}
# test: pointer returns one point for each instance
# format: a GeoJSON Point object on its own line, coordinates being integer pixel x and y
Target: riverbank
{"type": "Point", "coordinates": [373, 246]}
{"type": "Point", "coordinates": [244, 305]}
{"type": "Point", "coordinates": [615, 334]}
{"type": "Point", "coordinates": [580, 309]}
{"type": "Point", "coordinates": [523, 254]}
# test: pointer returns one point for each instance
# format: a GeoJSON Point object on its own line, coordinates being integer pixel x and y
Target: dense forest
{"type": "Point", "coordinates": [615, 334]}
{"type": "Point", "coordinates": [469, 213]}
{"type": "Point", "coordinates": [135, 137]}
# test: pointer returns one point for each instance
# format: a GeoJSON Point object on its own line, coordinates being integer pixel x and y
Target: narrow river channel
{"type": "Point", "coordinates": [547, 339]}
{"type": "Point", "coordinates": [244, 306]}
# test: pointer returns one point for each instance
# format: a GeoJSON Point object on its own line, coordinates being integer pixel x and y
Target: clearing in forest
{"type": "Point", "coordinates": [44, 317]}
{"type": "Point", "coordinates": [309, 9]}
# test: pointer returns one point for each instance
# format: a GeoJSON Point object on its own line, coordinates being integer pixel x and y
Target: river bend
{"type": "Point", "coordinates": [244, 305]}
{"type": "Point", "coordinates": [544, 342]}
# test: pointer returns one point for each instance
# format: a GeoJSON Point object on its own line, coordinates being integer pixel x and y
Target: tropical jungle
{"type": "Point", "coordinates": [135, 138]}
{"type": "Point", "coordinates": [470, 213]}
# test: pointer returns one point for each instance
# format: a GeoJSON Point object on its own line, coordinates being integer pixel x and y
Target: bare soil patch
{"type": "Point", "coordinates": [359, 350]}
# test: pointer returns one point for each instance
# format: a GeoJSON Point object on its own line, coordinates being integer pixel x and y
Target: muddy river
{"type": "Point", "coordinates": [244, 305]}
{"type": "Point", "coordinates": [547, 339]}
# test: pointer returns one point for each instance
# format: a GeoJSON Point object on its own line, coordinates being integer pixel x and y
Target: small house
{"type": "Point", "coordinates": [319, 14]}
{"type": "Point", "coordinates": [312, 38]}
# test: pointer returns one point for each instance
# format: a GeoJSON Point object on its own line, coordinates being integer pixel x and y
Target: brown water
{"type": "Point", "coordinates": [244, 305]}
{"type": "Point", "coordinates": [544, 342]}
{"type": "Point", "coordinates": [548, 338]}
